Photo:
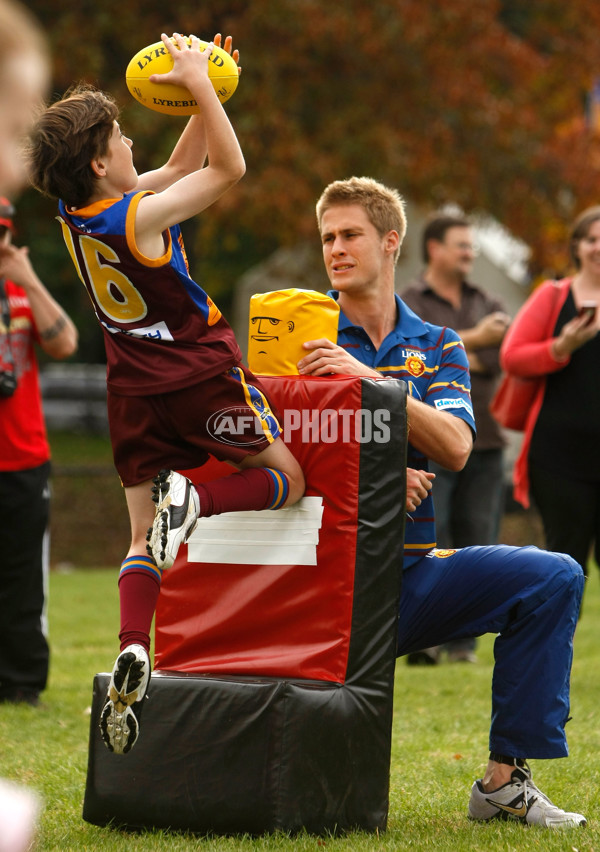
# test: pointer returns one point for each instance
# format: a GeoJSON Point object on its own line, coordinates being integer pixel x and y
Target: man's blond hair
{"type": "Point", "coordinates": [383, 205]}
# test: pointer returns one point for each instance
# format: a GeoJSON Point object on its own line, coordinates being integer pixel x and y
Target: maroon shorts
{"type": "Point", "coordinates": [228, 416]}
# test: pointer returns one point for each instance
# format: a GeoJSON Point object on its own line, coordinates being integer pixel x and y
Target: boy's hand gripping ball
{"type": "Point", "coordinates": [168, 98]}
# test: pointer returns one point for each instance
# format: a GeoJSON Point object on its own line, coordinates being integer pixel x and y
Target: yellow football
{"type": "Point", "coordinates": [170, 99]}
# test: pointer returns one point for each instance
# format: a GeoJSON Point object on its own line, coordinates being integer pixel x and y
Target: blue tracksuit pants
{"type": "Point", "coordinates": [531, 599]}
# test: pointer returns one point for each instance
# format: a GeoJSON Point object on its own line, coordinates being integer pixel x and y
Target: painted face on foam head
{"type": "Point", "coordinates": [266, 331]}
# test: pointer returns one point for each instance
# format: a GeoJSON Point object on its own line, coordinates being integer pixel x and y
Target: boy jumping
{"type": "Point", "coordinates": [172, 359]}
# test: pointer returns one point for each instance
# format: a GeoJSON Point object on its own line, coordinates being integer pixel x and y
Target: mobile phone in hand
{"type": "Point", "coordinates": [588, 309]}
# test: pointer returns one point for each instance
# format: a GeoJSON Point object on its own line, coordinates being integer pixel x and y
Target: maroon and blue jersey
{"type": "Point", "coordinates": [433, 363]}
{"type": "Point", "coordinates": [161, 330]}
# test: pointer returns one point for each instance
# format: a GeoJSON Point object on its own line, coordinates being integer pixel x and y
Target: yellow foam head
{"type": "Point", "coordinates": [281, 321]}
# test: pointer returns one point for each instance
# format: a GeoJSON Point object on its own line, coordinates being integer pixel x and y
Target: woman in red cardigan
{"type": "Point", "coordinates": [559, 462]}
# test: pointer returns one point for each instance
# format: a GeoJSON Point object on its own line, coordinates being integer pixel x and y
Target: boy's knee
{"type": "Point", "coordinates": [296, 485]}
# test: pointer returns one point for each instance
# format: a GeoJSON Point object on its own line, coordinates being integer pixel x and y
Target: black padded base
{"type": "Point", "coordinates": [228, 756]}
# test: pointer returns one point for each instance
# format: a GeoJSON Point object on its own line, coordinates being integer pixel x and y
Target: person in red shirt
{"type": "Point", "coordinates": [24, 78]}
{"type": "Point", "coordinates": [29, 316]}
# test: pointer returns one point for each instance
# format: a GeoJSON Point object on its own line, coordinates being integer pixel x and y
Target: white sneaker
{"type": "Point", "coordinates": [520, 800]}
{"type": "Point", "coordinates": [120, 717]}
{"type": "Point", "coordinates": [177, 510]}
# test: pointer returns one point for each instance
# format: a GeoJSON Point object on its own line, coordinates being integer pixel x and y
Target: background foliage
{"type": "Point", "coordinates": [482, 103]}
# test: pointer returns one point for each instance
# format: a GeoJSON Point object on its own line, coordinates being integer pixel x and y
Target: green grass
{"type": "Point", "coordinates": [439, 745]}
{"type": "Point", "coordinates": [76, 448]}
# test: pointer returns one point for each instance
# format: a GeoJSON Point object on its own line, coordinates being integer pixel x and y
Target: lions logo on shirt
{"type": "Point", "coordinates": [414, 365]}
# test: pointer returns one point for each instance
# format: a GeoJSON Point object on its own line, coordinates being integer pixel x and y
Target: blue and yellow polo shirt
{"type": "Point", "coordinates": [433, 363]}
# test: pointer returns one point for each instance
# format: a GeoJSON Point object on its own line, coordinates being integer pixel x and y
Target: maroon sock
{"type": "Point", "coordinates": [253, 488]}
{"type": "Point", "coordinates": [139, 587]}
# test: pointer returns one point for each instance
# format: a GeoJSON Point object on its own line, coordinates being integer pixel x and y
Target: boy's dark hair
{"type": "Point", "coordinates": [436, 227]}
{"type": "Point", "coordinates": [67, 136]}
